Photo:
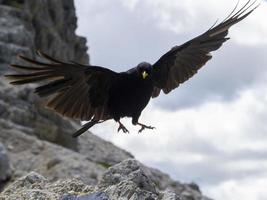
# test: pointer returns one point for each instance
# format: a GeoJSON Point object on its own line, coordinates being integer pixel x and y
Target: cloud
{"type": "Point", "coordinates": [219, 145]}
{"type": "Point", "coordinates": [187, 16]}
{"type": "Point", "coordinates": [231, 70]}
{"type": "Point", "coordinates": [123, 33]}
{"type": "Point", "coordinates": [249, 188]}
{"type": "Point", "coordinates": [212, 129]}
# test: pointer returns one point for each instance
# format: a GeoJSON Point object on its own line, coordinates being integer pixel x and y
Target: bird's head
{"type": "Point", "coordinates": [144, 70]}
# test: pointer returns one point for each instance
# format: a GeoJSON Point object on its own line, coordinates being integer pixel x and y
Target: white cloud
{"type": "Point", "coordinates": [218, 137]}
{"type": "Point", "coordinates": [210, 144]}
{"type": "Point", "coordinates": [130, 4]}
{"type": "Point", "coordinates": [120, 37]}
{"type": "Point", "coordinates": [254, 30]}
{"type": "Point", "coordinates": [250, 188]}
{"type": "Point", "coordinates": [228, 126]}
{"type": "Point", "coordinates": [201, 14]}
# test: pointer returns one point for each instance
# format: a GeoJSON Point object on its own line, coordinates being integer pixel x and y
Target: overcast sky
{"type": "Point", "coordinates": [211, 130]}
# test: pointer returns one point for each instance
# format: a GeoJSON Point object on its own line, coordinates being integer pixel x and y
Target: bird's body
{"type": "Point", "coordinates": [130, 93]}
{"type": "Point", "coordinates": [96, 94]}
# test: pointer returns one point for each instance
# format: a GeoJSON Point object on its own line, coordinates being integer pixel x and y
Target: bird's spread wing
{"type": "Point", "coordinates": [182, 62]}
{"type": "Point", "coordinates": [76, 91]}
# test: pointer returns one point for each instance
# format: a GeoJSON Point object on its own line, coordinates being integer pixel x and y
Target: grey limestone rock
{"type": "Point", "coordinates": [131, 179]}
{"type": "Point", "coordinates": [28, 153]}
{"type": "Point", "coordinates": [34, 186]}
{"type": "Point", "coordinates": [128, 180]}
{"type": "Point", "coordinates": [99, 151]}
{"type": "Point", "coordinates": [55, 23]}
{"type": "Point", "coordinates": [25, 26]}
{"type": "Point", "coordinates": [5, 165]}
{"type": "Point", "coordinates": [16, 35]}
{"type": "Point", "coordinates": [93, 196]}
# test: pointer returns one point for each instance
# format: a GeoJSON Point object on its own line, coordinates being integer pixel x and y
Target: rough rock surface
{"type": "Point", "coordinates": [39, 140]}
{"type": "Point", "coordinates": [28, 153]}
{"type": "Point", "coordinates": [99, 151]}
{"type": "Point", "coordinates": [132, 180]}
{"type": "Point", "coordinates": [24, 27]}
{"type": "Point", "coordinates": [34, 186]}
{"type": "Point", "coordinates": [55, 23]}
{"type": "Point", "coordinates": [5, 166]}
{"type": "Point", "coordinates": [127, 180]}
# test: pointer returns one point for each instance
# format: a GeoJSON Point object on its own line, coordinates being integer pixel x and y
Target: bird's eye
{"type": "Point", "coordinates": [144, 74]}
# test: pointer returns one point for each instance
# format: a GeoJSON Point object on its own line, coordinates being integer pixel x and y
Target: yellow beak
{"type": "Point", "coordinates": [144, 74]}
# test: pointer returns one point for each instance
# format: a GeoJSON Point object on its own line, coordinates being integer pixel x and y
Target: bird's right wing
{"type": "Point", "coordinates": [182, 62]}
{"type": "Point", "coordinates": [76, 91]}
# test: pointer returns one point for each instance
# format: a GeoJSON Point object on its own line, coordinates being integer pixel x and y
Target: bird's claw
{"type": "Point", "coordinates": [123, 128]}
{"type": "Point", "coordinates": [143, 127]}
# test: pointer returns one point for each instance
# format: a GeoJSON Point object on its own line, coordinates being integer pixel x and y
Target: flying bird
{"type": "Point", "coordinates": [97, 94]}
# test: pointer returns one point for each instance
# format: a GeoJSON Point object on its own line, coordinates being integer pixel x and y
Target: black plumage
{"type": "Point", "coordinates": [97, 94]}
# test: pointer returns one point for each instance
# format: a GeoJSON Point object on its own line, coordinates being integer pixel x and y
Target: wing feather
{"type": "Point", "coordinates": [182, 62]}
{"type": "Point", "coordinates": [73, 90]}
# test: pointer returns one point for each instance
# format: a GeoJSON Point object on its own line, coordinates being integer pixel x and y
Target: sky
{"type": "Point", "coordinates": [212, 130]}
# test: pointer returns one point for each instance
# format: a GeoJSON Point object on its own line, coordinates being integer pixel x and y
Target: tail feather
{"type": "Point", "coordinates": [85, 128]}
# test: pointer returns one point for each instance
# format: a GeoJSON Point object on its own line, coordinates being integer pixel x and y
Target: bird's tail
{"type": "Point", "coordinates": [85, 127]}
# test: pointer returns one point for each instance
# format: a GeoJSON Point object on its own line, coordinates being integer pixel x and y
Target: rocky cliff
{"type": "Point", "coordinates": [35, 139]}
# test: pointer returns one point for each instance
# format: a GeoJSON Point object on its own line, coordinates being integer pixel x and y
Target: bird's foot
{"type": "Point", "coordinates": [143, 127]}
{"type": "Point", "coordinates": [123, 128]}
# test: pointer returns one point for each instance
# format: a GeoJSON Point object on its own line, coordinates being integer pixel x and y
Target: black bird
{"type": "Point", "coordinates": [96, 94]}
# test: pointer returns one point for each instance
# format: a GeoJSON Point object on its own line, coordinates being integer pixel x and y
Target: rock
{"type": "Point", "coordinates": [28, 153]}
{"type": "Point", "coordinates": [55, 23]}
{"type": "Point", "coordinates": [93, 196]}
{"type": "Point", "coordinates": [127, 180]}
{"type": "Point", "coordinates": [128, 170]}
{"type": "Point", "coordinates": [5, 166]}
{"type": "Point", "coordinates": [26, 26]}
{"type": "Point", "coordinates": [132, 180]}
{"type": "Point", "coordinates": [163, 181]}
{"type": "Point", "coordinates": [100, 151]}
{"type": "Point", "coordinates": [34, 186]}
{"type": "Point", "coordinates": [16, 36]}
{"type": "Point", "coordinates": [29, 117]}
{"type": "Point", "coordinates": [169, 195]}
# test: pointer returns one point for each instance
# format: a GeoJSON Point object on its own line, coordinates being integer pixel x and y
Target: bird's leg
{"type": "Point", "coordinates": [122, 127]}
{"type": "Point", "coordinates": [143, 127]}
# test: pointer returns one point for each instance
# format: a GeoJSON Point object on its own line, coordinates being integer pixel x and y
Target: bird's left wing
{"type": "Point", "coordinates": [76, 91]}
{"type": "Point", "coordinates": [182, 62]}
